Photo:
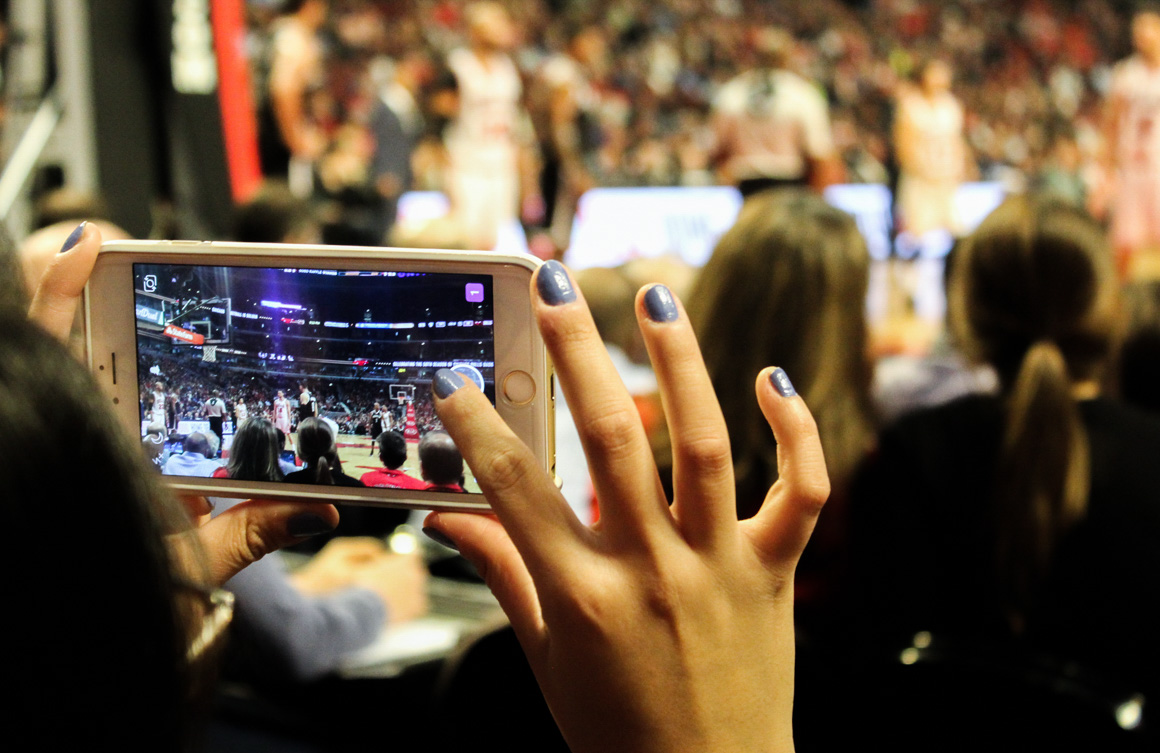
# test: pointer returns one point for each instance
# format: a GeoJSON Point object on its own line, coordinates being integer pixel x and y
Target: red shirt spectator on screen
{"type": "Point", "coordinates": [392, 453]}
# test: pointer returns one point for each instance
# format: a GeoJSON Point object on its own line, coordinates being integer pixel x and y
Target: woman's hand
{"type": "Point", "coordinates": [238, 537]}
{"type": "Point", "coordinates": [245, 533]}
{"type": "Point", "coordinates": [58, 291]}
{"type": "Point", "coordinates": [661, 628]}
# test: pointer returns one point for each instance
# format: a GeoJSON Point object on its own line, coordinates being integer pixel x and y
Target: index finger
{"type": "Point", "coordinates": [623, 471]}
{"type": "Point", "coordinates": [54, 304]}
{"type": "Point", "coordinates": [783, 526]}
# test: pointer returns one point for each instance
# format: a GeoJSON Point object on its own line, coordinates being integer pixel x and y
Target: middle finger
{"type": "Point", "coordinates": [623, 472]}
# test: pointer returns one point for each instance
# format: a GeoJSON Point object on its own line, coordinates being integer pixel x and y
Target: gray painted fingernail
{"type": "Point", "coordinates": [307, 524]}
{"type": "Point", "coordinates": [554, 285]}
{"type": "Point", "coordinates": [659, 304]}
{"type": "Point", "coordinates": [73, 237]}
{"type": "Point", "coordinates": [781, 383]}
{"type": "Point", "coordinates": [440, 538]}
{"type": "Point", "coordinates": [446, 381]}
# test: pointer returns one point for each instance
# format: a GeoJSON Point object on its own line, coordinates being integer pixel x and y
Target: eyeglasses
{"type": "Point", "coordinates": [214, 622]}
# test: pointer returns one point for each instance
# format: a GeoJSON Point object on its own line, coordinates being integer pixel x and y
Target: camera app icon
{"type": "Point", "coordinates": [473, 292]}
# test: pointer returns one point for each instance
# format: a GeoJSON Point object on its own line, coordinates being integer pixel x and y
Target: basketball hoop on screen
{"type": "Point", "coordinates": [404, 394]}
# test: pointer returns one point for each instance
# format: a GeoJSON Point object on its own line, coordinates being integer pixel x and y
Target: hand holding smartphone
{"type": "Point", "coordinates": [216, 353]}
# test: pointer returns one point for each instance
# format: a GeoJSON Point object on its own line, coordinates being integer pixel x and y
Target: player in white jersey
{"type": "Point", "coordinates": [282, 414]}
{"type": "Point", "coordinates": [928, 137]}
{"type": "Point", "coordinates": [1133, 150]}
{"type": "Point", "coordinates": [485, 144]}
{"type": "Point", "coordinates": [159, 398]}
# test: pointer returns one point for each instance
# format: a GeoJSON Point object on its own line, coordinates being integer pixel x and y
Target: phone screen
{"type": "Point", "coordinates": [308, 375]}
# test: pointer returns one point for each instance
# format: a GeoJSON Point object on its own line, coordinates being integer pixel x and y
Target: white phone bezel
{"type": "Point", "coordinates": [110, 329]}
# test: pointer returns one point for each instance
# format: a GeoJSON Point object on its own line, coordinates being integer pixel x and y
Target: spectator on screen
{"type": "Point", "coordinates": [392, 453]}
{"type": "Point", "coordinates": [195, 460]}
{"type": "Point", "coordinates": [440, 463]}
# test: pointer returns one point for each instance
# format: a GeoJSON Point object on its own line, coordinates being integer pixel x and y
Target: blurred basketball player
{"type": "Point", "coordinates": [928, 135]}
{"type": "Point", "coordinates": [290, 141]}
{"type": "Point", "coordinates": [772, 126]}
{"type": "Point", "coordinates": [565, 112]}
{"type": "Point", "coordinates": [485, 151]}
{"type": "Point", "coordinates": [1133, 135]}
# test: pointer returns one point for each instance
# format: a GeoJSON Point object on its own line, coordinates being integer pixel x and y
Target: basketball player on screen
{"type": "Point", "coordinates": [282, 415]}
{"type": "Point", "coordinates": [305, 403]}
{"type": "Point", "coordinates": [1133, 151]}
{"type": "Point", "coordinates": [159, 399]}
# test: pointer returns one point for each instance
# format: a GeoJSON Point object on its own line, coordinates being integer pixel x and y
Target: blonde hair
{"type": "Point", "coordinates": [786, 287]}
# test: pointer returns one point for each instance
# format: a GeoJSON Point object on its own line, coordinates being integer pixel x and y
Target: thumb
{"type": "Point", "coordinates": [249, 531]}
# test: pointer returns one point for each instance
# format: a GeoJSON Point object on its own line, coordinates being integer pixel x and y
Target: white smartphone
{"type": "Point", "coordinates": [212, 352]}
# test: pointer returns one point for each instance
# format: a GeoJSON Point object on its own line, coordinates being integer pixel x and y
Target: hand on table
{"type": "Point", "coordinates": [661, 628]}
{"type": "Point", "coordinates": [400, 580]}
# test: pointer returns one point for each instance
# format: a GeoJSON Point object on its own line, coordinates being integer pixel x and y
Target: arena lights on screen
{"type": "Point", "coordinates": [280, 305]}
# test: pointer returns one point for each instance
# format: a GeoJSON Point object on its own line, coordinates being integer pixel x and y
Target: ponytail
{"type": "Point", "coordinates": [1043, 475]}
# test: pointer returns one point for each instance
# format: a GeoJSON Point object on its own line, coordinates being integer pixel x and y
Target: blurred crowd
{"type": "Point", "coordinates": [643, 78]}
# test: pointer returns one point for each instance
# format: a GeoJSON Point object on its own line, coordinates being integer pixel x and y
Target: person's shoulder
{"type": "Point", "coordinates": [797, 83]}
{"type": "Point", "coordinates": [954, 415]}
{"type": "Point", "coordinates": [1114, 418]}
{"type": "Point", "coordinates": [1126, 72]}
{"type": "Point", "coordinates": [458, 58]}
{"type": "Point", "coordinates": [374, 478]}
{"type": "Point", "coordinates": [734, 93]}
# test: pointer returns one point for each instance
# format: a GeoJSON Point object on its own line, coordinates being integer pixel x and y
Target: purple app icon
{"type": "Point", "coordinates": [474, 292]}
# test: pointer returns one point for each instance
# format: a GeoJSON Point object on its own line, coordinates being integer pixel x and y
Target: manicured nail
{"type": "Point", "coordinates": [781, 383]}
{"type": "Point", "coordinates": [554, 284]}
{"type": "Point", "coordinates": [659, 304]}
{"type": "Point", "coordinates": [440, 538]}
{"type": "Point", "coordinates": [446, 381]}
{"type": "Point", "coordinates": [307, 524]}
{"type": "Point", "coordinates": [73, 237]}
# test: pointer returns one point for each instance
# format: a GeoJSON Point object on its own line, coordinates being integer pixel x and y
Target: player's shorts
{"type": "Point", "coordinates": [925, 205]}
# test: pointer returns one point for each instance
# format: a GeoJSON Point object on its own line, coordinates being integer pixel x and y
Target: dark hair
{"type": "Point", "coordinates": [392, 449]}
{"type": "Point", "coordinates": [439, 459]}
{"type": "Point", "coordinates": [254, 454]}
{"type": "Point", "coordinates": [1035, 295]}
{"type": "Point", "coordinates": [199, 443]}
{"type": "Point", "coordinates": [786, 287]}
{"type": "Point", "coordinates": [123, 676]}
{"type": "Point", "coordinates": [316, 443]}
{"type": "Point", "coordinates": [273, 215]}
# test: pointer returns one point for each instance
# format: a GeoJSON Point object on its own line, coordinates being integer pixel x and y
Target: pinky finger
{"type": "Point", "coordinates": [783, 526]}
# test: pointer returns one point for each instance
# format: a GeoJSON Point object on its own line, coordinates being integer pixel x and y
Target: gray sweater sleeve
{"type": "Point", "coordinates": [292, 635]}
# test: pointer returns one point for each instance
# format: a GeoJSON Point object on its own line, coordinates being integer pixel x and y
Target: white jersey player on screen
{"type": "Point", "coordinates": [282, 414]}
{"type": "Point", "coordinates": [159, 405]}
